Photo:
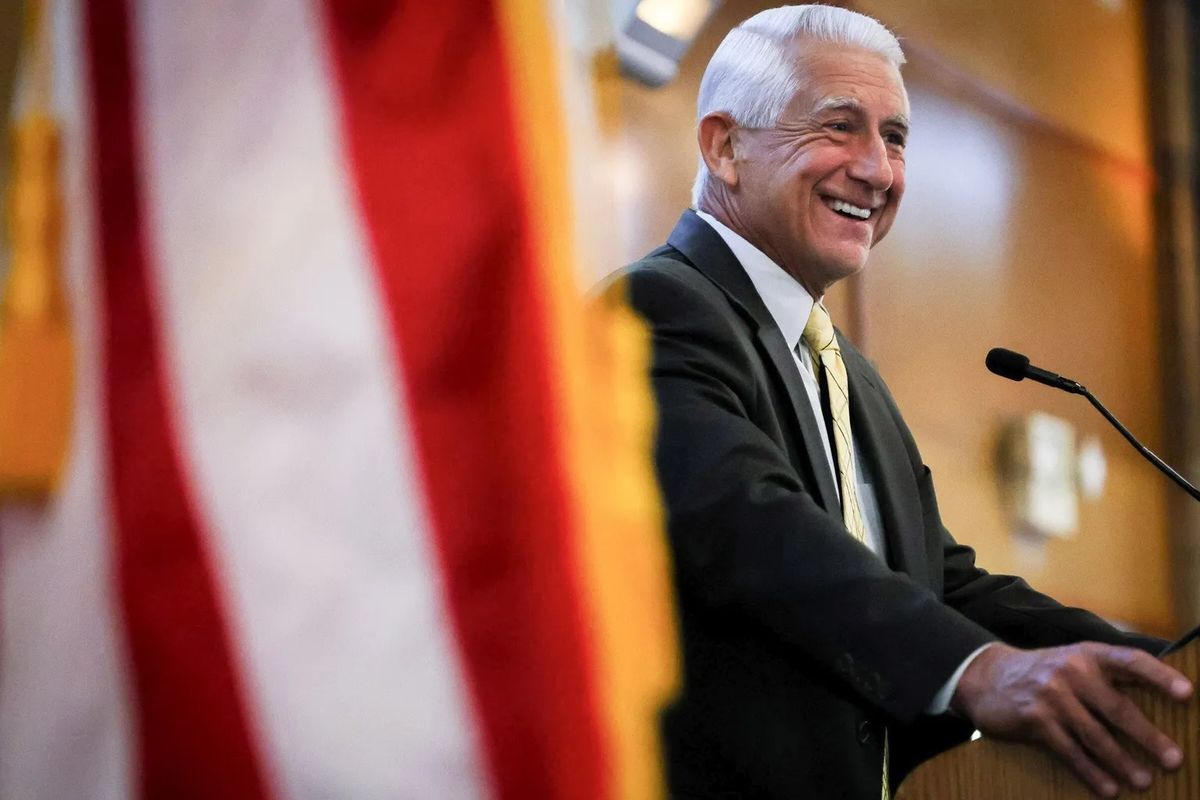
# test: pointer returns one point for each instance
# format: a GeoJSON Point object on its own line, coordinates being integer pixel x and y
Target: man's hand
{"type": "Point", "coordinates": [1067, 699]}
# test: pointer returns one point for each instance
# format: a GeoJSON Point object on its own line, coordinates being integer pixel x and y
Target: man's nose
{"type": "Point", "coordinates": [871, 164]}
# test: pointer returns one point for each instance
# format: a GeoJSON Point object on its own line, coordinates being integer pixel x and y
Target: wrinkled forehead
{"type": "Point", "coordinates": [830, 75]}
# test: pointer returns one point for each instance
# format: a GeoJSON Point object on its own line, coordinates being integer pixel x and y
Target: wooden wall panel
{"type": "Point", "coordinates": [1078, 63]}
{"type": "Point", "coordinates": [1173, 44]}
{"type": "Point", "coordinates": [1026, 224]}
{"type": "Point", "coordinates": [1019, 231]}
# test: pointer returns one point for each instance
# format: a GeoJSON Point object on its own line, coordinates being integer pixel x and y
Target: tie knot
{"type": "Point", "coordinates": [818, 333]}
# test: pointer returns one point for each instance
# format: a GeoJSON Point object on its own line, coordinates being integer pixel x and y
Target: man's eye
{"type": "Point", "coordinates": [839, 126]}
{"type": "Point", "coordinates": [896, 139]}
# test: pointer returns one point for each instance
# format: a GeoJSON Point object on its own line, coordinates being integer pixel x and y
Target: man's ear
{"type": "Point", "coordinates": [715, 137]}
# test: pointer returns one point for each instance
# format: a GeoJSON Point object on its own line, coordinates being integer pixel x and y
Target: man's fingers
{"type": "Point", "coordinates": [1078, 760]}
{"type": "Point", "coordinates": [1100, 743]}
{"type": "Point", "coordinates": [1140, 667]}
{"type": "Point", "coordinates": [1121, 713]}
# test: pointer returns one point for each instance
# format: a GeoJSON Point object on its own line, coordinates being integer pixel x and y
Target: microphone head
{"type": "Point", "coordinates": [1007, 364]}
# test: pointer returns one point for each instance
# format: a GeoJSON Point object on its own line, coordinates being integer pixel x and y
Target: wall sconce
{"type": "Point", "coordinates": [657, 33]}
{"type": "Point", "coordinates": [1043, 471]}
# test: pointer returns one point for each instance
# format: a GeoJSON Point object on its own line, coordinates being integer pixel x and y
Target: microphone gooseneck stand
{"type": "Point", "coordinates": [1016, 367]}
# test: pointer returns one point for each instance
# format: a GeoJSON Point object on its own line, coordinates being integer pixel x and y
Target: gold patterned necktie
{"type": "Point", "coordinates": [822, 343]}
{"type": "Point", "coordinates": [818, 335]}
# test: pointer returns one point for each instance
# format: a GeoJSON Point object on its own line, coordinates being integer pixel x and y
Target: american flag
{"type": "Point", "coordinates": [357, 501]}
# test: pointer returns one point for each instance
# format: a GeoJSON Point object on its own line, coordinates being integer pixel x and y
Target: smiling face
{"type": "Point", "coordinates": [818, 190]}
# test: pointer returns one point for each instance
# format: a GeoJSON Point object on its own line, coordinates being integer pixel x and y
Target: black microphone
{"type": "Point", "coordinates": [1016, 367]}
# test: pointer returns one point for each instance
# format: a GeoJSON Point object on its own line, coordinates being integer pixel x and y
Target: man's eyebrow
{"type": "Point", "coordinates": [838, 104]}
{"type": "Point", "coordinates": [852, 104]}
{"type": "Point", "coordinates": [899, 120]}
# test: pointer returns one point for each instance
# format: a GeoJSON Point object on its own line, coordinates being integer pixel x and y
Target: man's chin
{"type": "Point", "coordinates": [843, 265]}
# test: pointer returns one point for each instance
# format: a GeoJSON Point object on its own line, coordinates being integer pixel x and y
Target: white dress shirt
{"type": "Point", "coordinates": [790, 305]}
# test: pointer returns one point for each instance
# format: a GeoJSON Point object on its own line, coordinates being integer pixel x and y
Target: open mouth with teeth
{"type": "Point", "coordinates": [848, 210]}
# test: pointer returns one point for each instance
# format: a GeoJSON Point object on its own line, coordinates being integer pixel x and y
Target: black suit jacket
{"type": "Point", "coordinates": [799, 643]}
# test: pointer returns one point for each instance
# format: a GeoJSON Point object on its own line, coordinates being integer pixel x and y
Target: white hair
{"type": "Point", "coordinates": [751, 76]}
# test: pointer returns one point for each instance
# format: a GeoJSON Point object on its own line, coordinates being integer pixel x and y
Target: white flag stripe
{"type": "Point", "coordinates": [65, 723]}
{"type": "Point", "coordinates": [288, 411]}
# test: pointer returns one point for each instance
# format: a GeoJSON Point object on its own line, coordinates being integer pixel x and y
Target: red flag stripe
{"type": "Point", "coordinates": [192, 730]}
{"type": "Point", "coordinates": [431, 140]}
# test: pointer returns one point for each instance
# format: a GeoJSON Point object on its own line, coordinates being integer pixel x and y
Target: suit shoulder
{"type": "Point", "coordinates": [665, 280]}
{"type": "Point", "coordinates": [665, 263]}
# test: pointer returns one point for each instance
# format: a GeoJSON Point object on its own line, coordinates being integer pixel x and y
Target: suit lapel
{"type": "Point", "coordinates": [707, 251]}
{"type": "Point", "coordinates": [781, 360]}
{"type": "Point", "coordinates": [887, 459]}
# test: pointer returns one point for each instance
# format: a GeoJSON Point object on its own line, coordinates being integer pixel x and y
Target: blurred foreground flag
{"type": "Point", "coordinates": [358, 501]}
{"type": "Point", "coordinates": [36, 362]}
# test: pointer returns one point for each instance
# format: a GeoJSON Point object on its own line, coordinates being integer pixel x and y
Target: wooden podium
{"type": "Point", "coordinates": [993, 770]}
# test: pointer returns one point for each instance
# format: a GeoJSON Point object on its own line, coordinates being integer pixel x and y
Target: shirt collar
{"type": "Point", "coordinates": [788, 301]}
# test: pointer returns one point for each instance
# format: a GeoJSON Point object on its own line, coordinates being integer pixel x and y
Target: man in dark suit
{"type": "Point", "coordinates": [831, 624]}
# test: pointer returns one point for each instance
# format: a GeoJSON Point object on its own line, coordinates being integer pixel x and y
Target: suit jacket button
{"type": "Point", "coordinates": [864, 732]}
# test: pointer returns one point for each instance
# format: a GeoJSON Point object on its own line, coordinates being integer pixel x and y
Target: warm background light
{"type": "Point", "coordinates": [679, 19]}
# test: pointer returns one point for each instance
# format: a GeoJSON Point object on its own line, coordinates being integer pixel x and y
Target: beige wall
{"type": "Point", "coordinates": [1026, 224]}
